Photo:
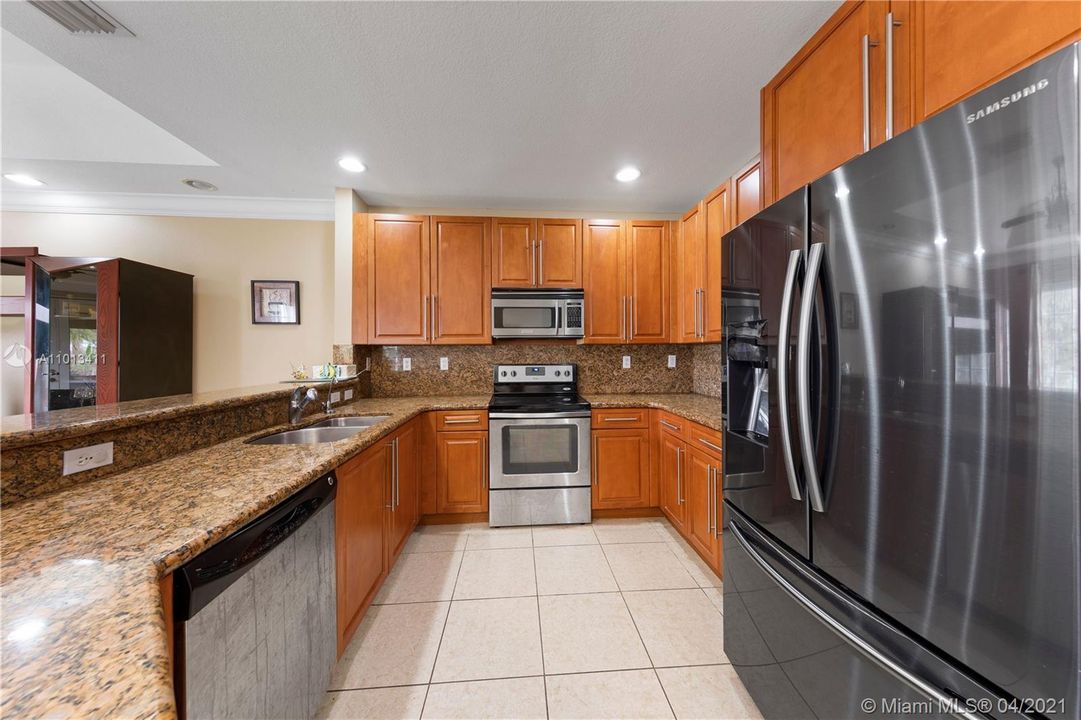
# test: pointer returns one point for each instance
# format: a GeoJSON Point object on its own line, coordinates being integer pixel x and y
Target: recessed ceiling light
{"type": "Point", "coordinates": [940, 240]}
{"type": "Point", "coordinates": [351, 164]}
{"type": "Point", "coordinates": [200, 185]}
{"type": "Point", "coordinates": [628, 174]}
{"type": "Point", "coordinates": [24, 179]}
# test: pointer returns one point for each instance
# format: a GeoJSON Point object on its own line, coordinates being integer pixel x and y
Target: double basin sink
{"type": "Point", "coordinates": [321, 432]}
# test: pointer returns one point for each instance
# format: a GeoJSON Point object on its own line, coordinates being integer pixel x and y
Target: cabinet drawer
{"type": "Point", "coordinates": [620, 418]}
{"type": "Point", "coordinates": [672, 424]}
{"type": "Point", "coordinates": [706, 439]}
{"type": "Point", "coordinates": [461, 420]}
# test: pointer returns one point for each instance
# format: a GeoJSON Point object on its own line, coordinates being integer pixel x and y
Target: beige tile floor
{"type": "Point", "coordinates": [618, 619]}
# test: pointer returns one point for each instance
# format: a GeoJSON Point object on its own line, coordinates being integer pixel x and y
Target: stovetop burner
{"type": "Point", "coordinates": [536, 389]}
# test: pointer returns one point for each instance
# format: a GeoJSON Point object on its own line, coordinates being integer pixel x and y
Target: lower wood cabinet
{"type": "Point", "coordinates": [360, 540]}
{"type": "Point", "coordinates": [670, 467]}
{"type": "Point", "coordinates": [403, 488]}
{"type": "Point", "coordinates": [703, 487]}
{"type": "Point", "coordinates": [620, 460]}
{"type": "Point", "coordinates": [462, 471]}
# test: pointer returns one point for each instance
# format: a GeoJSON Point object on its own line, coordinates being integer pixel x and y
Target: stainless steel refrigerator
{"type": "Point", "coordinates": [903, 517]}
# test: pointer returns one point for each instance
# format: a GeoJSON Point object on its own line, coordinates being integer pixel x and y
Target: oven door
{"type": "Point", "coordinates": [525, 317]}
{"type": "Point", "coordinates": [538, 451]}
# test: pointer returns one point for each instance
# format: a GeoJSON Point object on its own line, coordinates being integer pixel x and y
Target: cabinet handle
{"type": "Point", "coordinates": [890, 25]}
{"type": "Point", "coordinates": [458, 421]}
{"type": "Point", "coordinates": [435, 316]}
{"type": "Point", "coordinates": [397, 485]}
{"type": "Point", "coordinates": [710, 498]}
{"type": "Point", "coordinates": [623, 319]}
{"type": "Point", "coordinates": [427, 314]}
{"type": "Point", "coordinates": [710, 445]}
{"type": "Point", "coordinates": [533, 265]}
{"type": "Point", "coordinates": [540, 262]}
{"type": "Point", "coordinates": [865, 56]}
{"type": "Point", "coordinates": [698, 312]}
{"type": "Point", "coordinates": [390, 500]}
{"type": "Point", "coordinates": [679, 476]}
{"type": "Point", "coordinates": [670, 426]}
{"type": "Point", "coordinates": [717, 489]}
{"type": "Point", "coordinates": [619, 419]}
{"type": "Point", "coordinates": [633, 321]}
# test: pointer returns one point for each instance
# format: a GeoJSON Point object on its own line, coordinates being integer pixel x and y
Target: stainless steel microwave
{"type": "Point", "coordinates": [538, 313]}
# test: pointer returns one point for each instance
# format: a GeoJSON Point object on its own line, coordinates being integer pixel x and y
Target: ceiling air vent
{"type": "Point", "coordinates": [81, 16]}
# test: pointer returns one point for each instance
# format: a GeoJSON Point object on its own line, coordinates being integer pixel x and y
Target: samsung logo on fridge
{"type": "Point", "coordinates": [1007, 100]}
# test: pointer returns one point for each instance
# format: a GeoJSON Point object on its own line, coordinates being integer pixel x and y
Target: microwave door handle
{"type": "Point", "coordinates": [560, 330]}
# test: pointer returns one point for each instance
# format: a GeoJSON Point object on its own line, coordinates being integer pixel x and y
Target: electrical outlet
{"type": "Point", "coordinates": [335, 397]}
{"type": "Point", "coordinates": [671, 361]}
{"type": "Point", "coordinates": [88, 458]}
{"type": "Point", "coordinates": [444, 363]}
{"type": "Point", "coordinates": [348, 394]}
{"type": "Point", "coordinates": [626, 362]}
{"type": "Point", "coordinates": [407, 364]}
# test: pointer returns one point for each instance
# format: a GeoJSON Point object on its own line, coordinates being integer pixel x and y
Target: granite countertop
{"type": "Point", "coordinates": [702, 409]}
{"type": "Point", "coordinates": [82, 627]}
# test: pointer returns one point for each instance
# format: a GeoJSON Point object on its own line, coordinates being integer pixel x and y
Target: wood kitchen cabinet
{"type": "Point", "coordinates": [461, 280]}
{"type": "Point", "coordinates": [462, 471]}
{"type": "Point", "coordinates": [404, 488]}
{"type": "Point", "coordinates": [620, 460]}
{"type": "Point", "coordinates": [689, 273]}
{"type": "Point", "coordinates": [360, 540]}
{"type": "Point", "coordinates": [718, 221]}
{"type": "Point", "coordinates": [532, 252]}
{"type": "Point", "coordinates": [876, 68]}
{"type": "Point", "coordinates": [670, 467]}
{"type": "Point", "coordinates": [702, 487]}
{"type": "Point", "coordinates": [426, 280]}
{"type": "Point", "coordinates": [626, 281]}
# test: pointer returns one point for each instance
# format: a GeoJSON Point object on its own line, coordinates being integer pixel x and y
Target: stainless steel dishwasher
{"type": "Point", "coordinates": [256, 614]}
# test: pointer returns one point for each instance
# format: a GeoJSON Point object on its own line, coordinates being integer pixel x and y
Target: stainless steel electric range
{"type": "Point", "coordinates": [539, 468]}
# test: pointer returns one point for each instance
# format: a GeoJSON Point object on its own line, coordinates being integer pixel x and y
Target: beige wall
{"type": "Point", "coordinates": [224, 255]}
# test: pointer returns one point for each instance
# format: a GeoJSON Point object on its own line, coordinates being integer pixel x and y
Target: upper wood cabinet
{"type": "Point", "coordinates": [530, 252]}
{"type": "Point", "coordinates": [398, 279]}
{"type": "Point", "coordinates": [876, 68]}
{"type": "Point", "coordinates": [461, 287]}
{"type": "Point", "coordinates": [689, 272]}
{"type": "Point", "coordinates": [425, 280]}
{"type": "Point", "coordinates": [559, 253]}
{"type": "Point", "coordinates": [747, 188]}
{"type": "Point", "coordinates": [718, 217]}
{"type": "Point", "coordinates": [948, 64]}
{"type": "Point", "coordinates": [625, 272]}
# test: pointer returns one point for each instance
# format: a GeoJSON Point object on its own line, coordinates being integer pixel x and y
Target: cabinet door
{"type": "Point", "coordinates": [604, 269]}
{"type": "Point", "coordinates": [559, 253]}
{"type": "Point", "coordinates": [462, 472]}
{"type": "Point", "coordinates": [689, 270]}
{"type": "Point", "coordinates": [398, 276]}
{"type": "Point", "coordinates": [718, 221]}
{"type": "Point", "coordinates": [359, 513]}
{"type": "Point", "coordinates": [803, 134]}
{"type": "Point", "coordinates": [461, 280]}
{"type": "Point", "coordinates": [404, 488]}
{"type": "Point", "coordinates": [700, 471]}
{"type": "Point", "coordinates": [620, 469]}
{"type": "Point", "coordinates": [514, 252]}
{"type": "Point", "coordinates": [961, 47]}
{"type": "Point", "coordinates": [747, 186]}
{"type": "Point", "coordinates": [647, 281]}
{"type": "Point", "coordinates": [672, 451]}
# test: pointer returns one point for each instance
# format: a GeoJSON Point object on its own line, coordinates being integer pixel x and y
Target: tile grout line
{"type": "Point", "coordinates": [442, 632]}
{"type": "Point", "coordinates": [540, 629]}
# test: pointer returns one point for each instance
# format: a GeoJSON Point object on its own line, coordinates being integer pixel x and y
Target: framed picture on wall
{"type": "Point", "coordinates": [275, 302]}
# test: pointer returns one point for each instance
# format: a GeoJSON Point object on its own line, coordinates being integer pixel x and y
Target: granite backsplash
{"type": "Point", "coordinates": [599, 366]}
{"type": "Point", "coordinates": [708, 365]}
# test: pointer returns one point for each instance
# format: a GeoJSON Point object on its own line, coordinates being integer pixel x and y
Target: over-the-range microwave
{"type": "Point", "coordinates": [538, 313]}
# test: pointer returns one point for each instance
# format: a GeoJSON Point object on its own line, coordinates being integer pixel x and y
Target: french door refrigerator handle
{"type": "Point", "coordinates": [866, 649]}
{"type": "Point", "coordinates": [803, 378]}
{"type": "Point", "coordinates": [783, 332]}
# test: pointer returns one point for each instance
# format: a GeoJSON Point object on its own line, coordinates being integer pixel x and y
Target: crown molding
{"type": "Point", "coordinates": [218, 206]}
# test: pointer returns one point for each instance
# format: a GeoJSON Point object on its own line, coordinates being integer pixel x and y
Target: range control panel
{"type": "Point", "coordinates": [534, 373]}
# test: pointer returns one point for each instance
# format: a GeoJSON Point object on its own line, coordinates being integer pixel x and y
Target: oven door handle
{"type": "Point", "coordinates": [538, 416]}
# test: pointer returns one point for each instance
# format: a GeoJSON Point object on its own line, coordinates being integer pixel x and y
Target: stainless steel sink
{"type": "Point", "coordinates": [362, 421]}
{"type": "Point", "coordinates": [329, 430]}
{"type": "Point", "coordinates": [307, 436]}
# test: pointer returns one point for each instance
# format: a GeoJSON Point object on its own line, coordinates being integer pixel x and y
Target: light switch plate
{"type": "Point", "coordinates": [88, 458]}
{"type": "Point", "coordinates": [407, 364]}
{"type": "Point", "coordinates": [626, 362]}
{"type": "Point", "coordinates": [444, 363]}
{"type": "Point", "coordinates": [348, 394]}
{"type": "Point", "coordinates": [335, 397]}
{"type": "Point", "coordinates": [671, 361]}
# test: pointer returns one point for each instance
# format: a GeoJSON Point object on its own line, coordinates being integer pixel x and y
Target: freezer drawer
{"type": "Point", "coordinates": [805, 650]}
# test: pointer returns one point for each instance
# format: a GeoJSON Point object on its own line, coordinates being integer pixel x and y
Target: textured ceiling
{"type": "Point", "coordinates": [494, 105]}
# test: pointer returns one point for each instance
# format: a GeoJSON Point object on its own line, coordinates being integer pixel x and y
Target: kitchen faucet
{"type": "Point", "coordinates": [330, 393]}
{"type": "Point", "coordinates": [299, 400]}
